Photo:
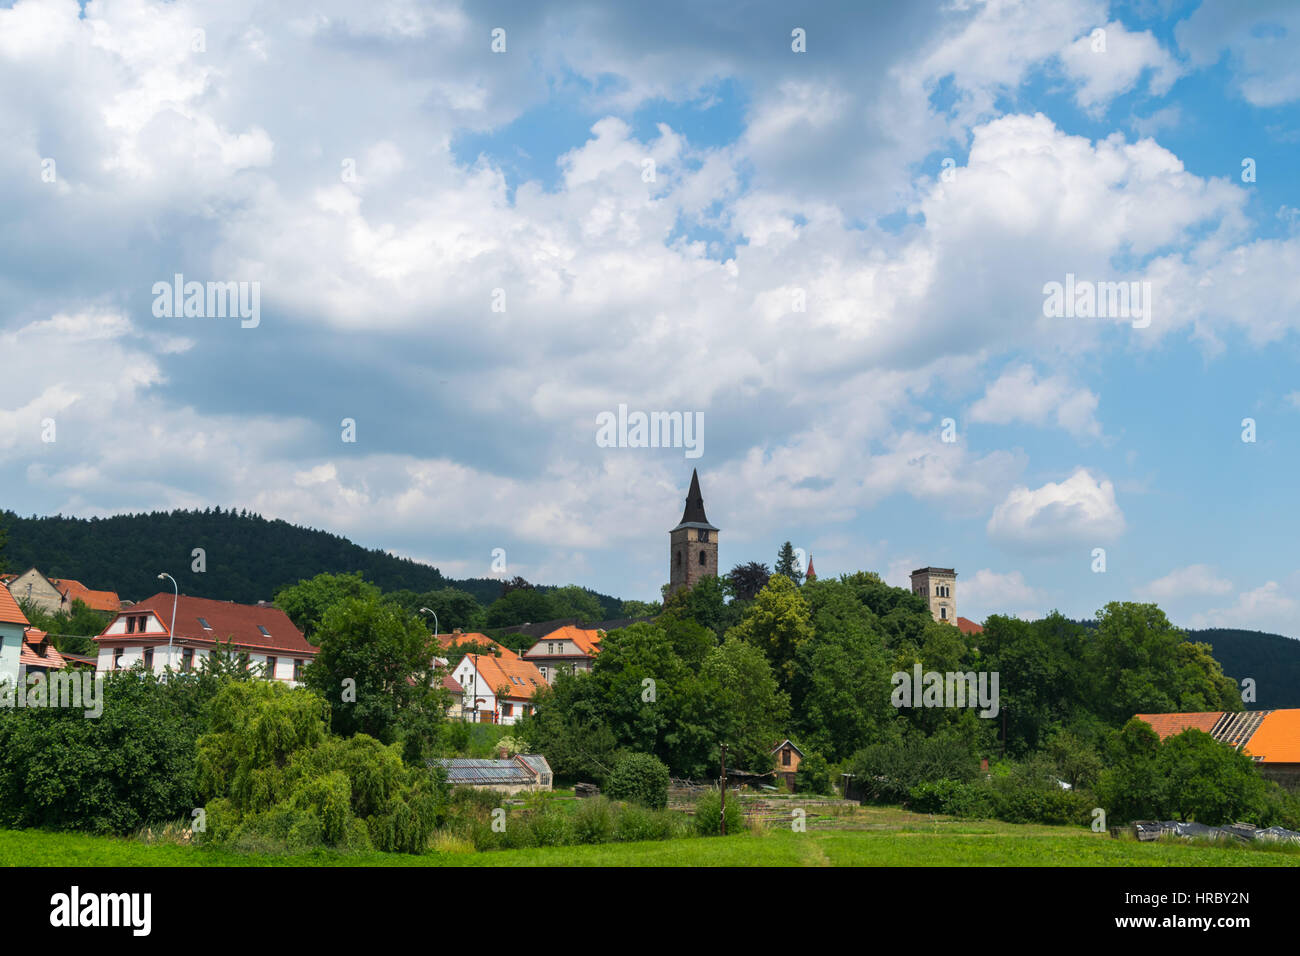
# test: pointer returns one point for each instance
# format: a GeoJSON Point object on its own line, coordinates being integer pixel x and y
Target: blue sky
{"type": "Point", "coordinates": [385, 178]}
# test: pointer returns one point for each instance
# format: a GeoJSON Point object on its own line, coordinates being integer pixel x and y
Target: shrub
{"type": "Point", "coordinates": [633, 823]}
{"type": "Point", "coordinates": [593, 821]}
{"type": "Point", "coordinates": [953, 798]}
{"type": "Point", "coordinates": [640, 778]}
{"type": "Point", "coordinates": [813, 775]}
{"type": "Point", "coordinates": [708, 815]}
{"type": "Point", "coordinates": [551, 827]}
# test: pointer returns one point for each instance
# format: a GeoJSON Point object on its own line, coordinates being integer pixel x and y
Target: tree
{"type": "Point", "coordinates": [375, 665]}
{"type": "Point", "coordinates": [641, 609]}
{"type": "Point", "coordinates": [307, 601]}
{"type": "Point", "coordinates": [746, 580]}
{"type": "Point", "coordinates": [777, 624]}
{"type": "Point", "coordinates": [788, 564]}
{"type": "Point", "coordinates": [573, 601]}
{"type": "Point", "coordinates": [520, 606]}
{"type": "Point", "coordinates": [745, 707]}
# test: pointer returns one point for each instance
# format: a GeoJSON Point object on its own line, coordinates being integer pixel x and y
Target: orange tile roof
{"type": "Point", "coordinates": [497, 672]}
{"type": "Point", "coordinates": [1169, 725]}
{"type": "Point", "coordinates": [10, 612]}
{"type": "Point", "coordinates": [1278, 738]}
{"type": "Point", "coordinates": [587, 640]}
{"type": "Point", "coordinates": [967, 626]}
{"type": "Point", "coordinates": [473, 637]}
{"type": "Point", "coordinates": [95, 600]}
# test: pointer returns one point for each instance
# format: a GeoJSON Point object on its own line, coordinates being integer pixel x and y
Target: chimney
{"type": "Point", "coordinates": [501, 753]}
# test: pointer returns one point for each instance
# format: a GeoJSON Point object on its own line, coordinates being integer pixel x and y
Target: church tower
{"type": "Point", "coordinates": [693, 550]}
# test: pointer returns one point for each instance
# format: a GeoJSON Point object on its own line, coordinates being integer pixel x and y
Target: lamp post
{"type": "Point", "coordinates": [425, 610]}
{"type": "Point", "coordinates": [175, 600]}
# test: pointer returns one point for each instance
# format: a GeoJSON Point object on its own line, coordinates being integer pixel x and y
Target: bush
{"type": "Point", "coordinates": [813, 775]}
{"type": "Point", "coordinates": [593, 821]}
{"type": "Point", "coordinates": [952, 797]}
{"type": "Point", "coordinates": [888, 771]}
{"type": "Point", "coordinates": [634, 823]}
{"type": "Point", "coordinates": [641, 779]}
{"type": "Point", "coordinates": [708, 815]}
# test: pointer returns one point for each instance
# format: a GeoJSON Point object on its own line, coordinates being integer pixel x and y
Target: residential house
{"type": "Point", "coordinates": [497, 688]}
{"type": "Point", "coordinates": [967, 626]}
{"type": "Point", "coordinates": [522, 772]}
{"type": "Point", "coordinates": [788, 757]}
{"type": "Point", "coordinates": [1271, 738]}
{"type": "Point", "coordinates": [13, 628]}
{"type": "Point", "coordinates": [262, 631]}
{"type": "Point", "coordinates": [565, 650]}
{"type": "Point", "coordinates": [53, 595]}
{"type": "Point", "coordinates": [38, 654]}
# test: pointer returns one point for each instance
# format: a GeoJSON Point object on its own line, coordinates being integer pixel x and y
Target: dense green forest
{"type": "Point", "coordinates": [1273, 661]}
{"type": "Point", "coordinates": [248, 557]}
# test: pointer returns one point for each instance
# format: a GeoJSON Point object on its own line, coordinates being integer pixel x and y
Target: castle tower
{"type": "Point", "coordinates": [693, 544]}
{"type": "Point", "coordinates": [939, 588]}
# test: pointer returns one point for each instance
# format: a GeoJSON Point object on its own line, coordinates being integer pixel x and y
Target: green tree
{"type": "Point", "coordinates": [573, 601]}
{"type": "Point", "coordinates": [778, 623]}
{"type": "Point", "coordinates": [788, 564]}
{"type": "Point", "coordinates": [375, 665]}
{"type": "Point", "coordinates": [520, 606]}
{"type": "Point", "coordinates": [307, 601]}
{"type": "Point", "coordinates": [746, 580]}
{"type": "Point", "coordinates": [640, 778]}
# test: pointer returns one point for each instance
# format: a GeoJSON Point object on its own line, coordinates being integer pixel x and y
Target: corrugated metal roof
{"type": "Point", "coordinates": [485, 772]}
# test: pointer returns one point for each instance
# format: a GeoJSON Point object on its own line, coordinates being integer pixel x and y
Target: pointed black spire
{"type": "Point", "coordinates": [694, 513]}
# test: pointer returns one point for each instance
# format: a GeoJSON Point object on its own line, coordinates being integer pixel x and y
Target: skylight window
{"type": "Point", "coordinates": [265, 632]}
{"type": "Point", "coordinates": [206, 625]}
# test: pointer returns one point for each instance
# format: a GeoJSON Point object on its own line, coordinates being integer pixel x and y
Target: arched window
{"type": "Point", "coordinates": [704, 558]}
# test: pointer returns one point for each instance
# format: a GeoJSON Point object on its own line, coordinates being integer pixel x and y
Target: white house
{"type": "Point", "coordinates": [264, 633]}
{"type": "Point", "coordinates": [496, 690]}
{"type": "Point", "coordinates": [565, 650]}
{"type": "Point", "coordinates": [13, 628]}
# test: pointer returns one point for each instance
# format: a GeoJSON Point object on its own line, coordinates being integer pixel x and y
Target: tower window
{"type": "Point", "coordinates": [943, 613]}
{"type": "Point", "coordinates": [679, 559]}
{"type": "Point", "coordinates": [704, 535]}
{"type": "Point", "coordinates": [704, 558]}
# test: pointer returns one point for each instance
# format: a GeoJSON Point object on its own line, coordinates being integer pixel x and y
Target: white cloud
{"type": "Point", "coordinates": [1268, 607]}
{"type": "Point", "coordinates": [989, 592]}
{"type": "Point", "coordinates": [1078, 511]}
{"type": "Point", "coordinates": [1191, 581]}
{"type": "Point", "coordinates": [1104, 74]}
{"type": "Point", "coordinates": [1019, 395]}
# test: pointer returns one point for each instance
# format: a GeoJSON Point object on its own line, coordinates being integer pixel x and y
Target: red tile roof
{"type": "Point", "coordinates": [1170, 725]}
{"type": "Point", "coordinates": [238, 623]}
{"type": "Point", "coordinates": [967, 626]}
{"type": "Point", "coordinates": [95, 600]}
{"type": "Point", "coordinates": [37, 651]}
{"type": "Point", "coordinates": [10, 612]}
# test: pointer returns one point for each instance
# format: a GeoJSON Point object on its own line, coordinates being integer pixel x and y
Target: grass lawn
{"type": "Point", "coordinates": [899, 842]}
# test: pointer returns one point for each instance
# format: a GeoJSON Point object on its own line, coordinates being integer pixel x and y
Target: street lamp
{"type": "Point", "coordinates": [425, 610]}
{"type": "Point", "coordinates": [175, 601]}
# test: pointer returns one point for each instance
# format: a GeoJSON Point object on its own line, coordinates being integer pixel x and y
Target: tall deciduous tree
{"type": "Point", "coordinates": [778, 623]}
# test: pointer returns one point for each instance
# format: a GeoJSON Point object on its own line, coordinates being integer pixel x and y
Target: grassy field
{"type": "Point", "coordinates": [872, 837]}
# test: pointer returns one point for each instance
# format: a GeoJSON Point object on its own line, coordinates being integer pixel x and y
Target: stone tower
{"type": "Point", "coordinates": [693, 544]}
{"type": "Point", "coordinates": [939, 588]}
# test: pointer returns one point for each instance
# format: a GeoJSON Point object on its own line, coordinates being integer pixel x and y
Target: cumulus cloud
{"type": "Point", "coordinates": [1019, 395]}
{"type": "Point", "coordinates": [1193, 580]}
{"type": "Point", "coordinates": [1269, 607]}
{"type": "Point", "coordinates": [1077, 511]}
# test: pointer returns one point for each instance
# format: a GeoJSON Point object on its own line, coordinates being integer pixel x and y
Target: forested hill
{"type": "Point", "coordinates": [248, 557]}
{"type": "Point", "coordinates": [1271, 659]}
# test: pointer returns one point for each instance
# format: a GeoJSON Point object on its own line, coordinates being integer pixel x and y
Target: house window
{"type": "Point", "coordinates": [148, 658]}
{"type": "Point", "coordinates": [297, 671]}
{"type": "Point", "coordinates": [143, 625]}
{"type": "Point", "coordinates": [270, 668]}
{"type": "Point", "coordinates": [506, 710]}
{"type": "Point", "coordinates": [117, 658]}
{"type": "Point", "coordinates": [187, 659]}
{"type": "Point", "coordinates": [785, 757]}
{"type": "Point", "coordinates": [130, 625]}
{"type": "Point", "coordinates": [704, 558]}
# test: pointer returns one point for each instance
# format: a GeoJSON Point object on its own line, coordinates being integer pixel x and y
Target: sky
{"type": "Point", "coordinates": [828, 232]}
